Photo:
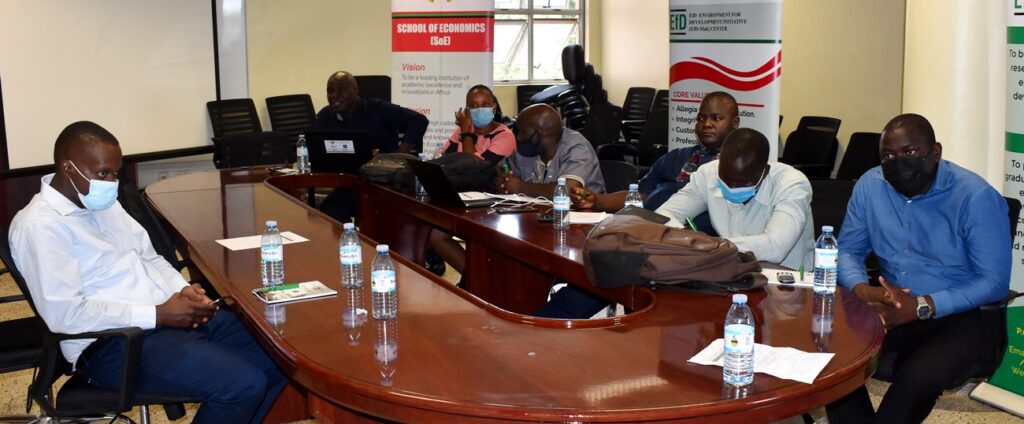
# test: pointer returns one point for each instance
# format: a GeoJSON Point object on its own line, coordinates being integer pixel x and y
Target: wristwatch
{"type": "Point", "coordinates": [924, 310]}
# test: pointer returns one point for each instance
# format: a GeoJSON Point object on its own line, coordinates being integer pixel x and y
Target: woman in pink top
{"type": "Point", "coordinates": [479, 130]}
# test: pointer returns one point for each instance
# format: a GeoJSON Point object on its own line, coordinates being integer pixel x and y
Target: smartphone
{"type": "Point", "coordinates": [514, 209]}
{"type": "Point", "coordinates": [547, 217]}
{"type": "Point", "coordinates": [786, 278]}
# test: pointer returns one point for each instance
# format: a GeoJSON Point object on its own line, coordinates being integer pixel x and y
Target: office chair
{"type": "Point", "coordinates": [653, 141]}
{"type": "Point", "coordinates": [233, 117]}
{"type": "Point", "coordinates": [77, 398]}
{"type": "Point", "coordinates": [525, 92]}
{"type": "Point", "coordinates": [635, 108]}
{"type": "Point", "coordinates": [861, 155]}
{"type": "Point", "coordinates": [813, 146]}
{"type": "Point", "coordinates": [375, 86]}
{"type": "Point", "coordinates": [618, 175]}
{"type": "Point", "coordinates": [291, 114]}
{"type": "Point", "coordinates": [249, 150]}
{"type": "Point", "coordinates": [21, 348]}
{"type": "Point", "coordinates": [828, 203]}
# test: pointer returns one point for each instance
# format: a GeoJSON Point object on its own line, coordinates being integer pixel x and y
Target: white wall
{"type": "Point", "coordinates": [634, 45]}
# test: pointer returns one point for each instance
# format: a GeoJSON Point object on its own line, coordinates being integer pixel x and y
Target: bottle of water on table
{"type": "Point", "coordinates": [302, 155]}
{"type": "Point", "coordinates": [633, 197]}
{"type": "Point", "coordinates": [421, 192]}
{"type": "Point", "coordinates": [738, 363]}
{"type": "Point", "coordinates": [561, 205]}
{"type": "Point", "coordinates": [272, 255]}
{"type": "Point", "coordinates": [383, 286]}
{"type": "Point", "coordinates": [826, 256]}
{"type": "Point", "coordinates": [350, 256]}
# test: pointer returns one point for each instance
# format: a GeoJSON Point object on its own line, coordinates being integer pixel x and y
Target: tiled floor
{"type": "Point", "coordinates": [952, 408]}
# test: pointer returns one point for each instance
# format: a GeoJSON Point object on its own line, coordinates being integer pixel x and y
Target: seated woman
{"type": "Point", "coordinates": [479, 132]}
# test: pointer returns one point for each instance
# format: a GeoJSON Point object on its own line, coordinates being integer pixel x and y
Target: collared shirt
{"type": "Point", "coordinates": [775, 224]}
{"type": "Point", "coordinates": [952, 242]}
{"type": "Point", "coordinates": [575, 159]}
{"type": "Point", "coordinates": [88, 270]}
{"type": "Point", "coordinates": [672, 171]}
{"type": "Point", "coordinates": [384, 120]}
{"type": "Point", "coordinates": [495, 146]}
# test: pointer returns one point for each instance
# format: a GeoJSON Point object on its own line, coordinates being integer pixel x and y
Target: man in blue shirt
{"type": "Point", "coordinates": [942, 237]}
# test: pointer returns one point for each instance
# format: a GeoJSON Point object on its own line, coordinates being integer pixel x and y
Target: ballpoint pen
{"type": "Point", "coordinates": [692, 225]}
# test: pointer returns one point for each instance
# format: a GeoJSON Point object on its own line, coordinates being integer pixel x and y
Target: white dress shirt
{"type": "Point", "coordinates": [775, 225]}
{"type": "Point", "coordinates": [88, 270]}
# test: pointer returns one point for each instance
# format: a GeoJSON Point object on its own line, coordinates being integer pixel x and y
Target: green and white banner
{"type": "Point", "coordinates": [722, 45]}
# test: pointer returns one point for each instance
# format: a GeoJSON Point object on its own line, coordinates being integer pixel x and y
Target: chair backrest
{"type": "Point", "coordinates": [248, 150]}
{"type": "Point", "coordinates": [525, 92]}
{"type": "Point", "coordinates": [375, 86]}
{"type": "Point", "coordinates": [233, 116]}
{"type": "Point", "coordinates": [603, 124]}
{"type": "Point", "coordinates": [861, 155]}
{"type": "Point", "coordinates": [636, 107]}
{"type": "Point", "coordinates": [8, 259]}
{"type": "Point", "coordinates": [819, 123]}
{"type": "Point", "coordinates": [133, 202]}
{"type": "Point", "coordinates": [812, 146]}
{"type": "Point", "coordinates": [654, 137]}
{"type": "Point", "coordinates": [293, 113]}
{"type": "Point", "coordinates": [618, 175]}
{"type": "Point", "coordinates": [828, 203]}
{"type": "Point", "coordinates": [660, 102]}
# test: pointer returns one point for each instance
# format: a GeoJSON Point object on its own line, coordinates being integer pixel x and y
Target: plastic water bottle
{"type": "Point", "coordinates": [354, 315]}
{"type": "Point", "coordinates": [302, 155]}
{"type": "Point", "coordinates": [826, 256]}
{"type": "Point", "coordinates": [738, 366]}
{"type": "Point", "coordinates": [272, 255]}
{"type": "Point", "coordinates": [384, 287]}
{"type": "Point", "coordinates": [385, 349]}
{"type": "Point", "coordinates": [633, 197]}
{"type": "Point", "coordinates": [561, 205]}
{"type": "Point", "coordinates": [821, 321]}
{"type": "Point", "coordinates": [350, 256]}
{"type": "Point", "coordinates": [421, 192]}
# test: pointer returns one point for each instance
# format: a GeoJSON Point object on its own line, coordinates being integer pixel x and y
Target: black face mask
{"type": "Point", "coordinates": [527, 147]}
{"type": "Point", "coordinates": [907, 175]}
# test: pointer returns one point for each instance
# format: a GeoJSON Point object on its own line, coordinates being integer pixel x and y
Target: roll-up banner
{"type": "Point", "coordinates": [731, 46]}
{"type": "Point", "coordinates": [1006, 388]}
{"type": "Point", "coordinates": [439, 50]}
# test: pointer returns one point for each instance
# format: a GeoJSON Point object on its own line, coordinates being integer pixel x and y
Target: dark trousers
{"type": "Point", "coordinates": [218, 363]}
{"type": "Point", "coordinates": [342, 205]}
{"type": "Point", "coordinates": [927, 357]}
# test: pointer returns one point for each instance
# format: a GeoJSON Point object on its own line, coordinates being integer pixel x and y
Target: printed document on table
{"type": "Point", "coordinates": [253, 242]}
{"type": "Point", "coordinates": [782, 362]}
{"type": "Point", "coordinates": [586, 217]}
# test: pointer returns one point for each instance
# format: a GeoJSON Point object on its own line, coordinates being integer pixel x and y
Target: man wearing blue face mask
{"type": "Point", "coordinates": [762, 208]}
{"type": "Point", "coordinates": [89, 266]}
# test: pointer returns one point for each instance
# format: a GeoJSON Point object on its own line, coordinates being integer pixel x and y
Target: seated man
{"type": "Point", "coordinates": [89, 266]}
{"type": "Point", "coordinates": [762, 208]}
{"type": "Point", "coordinates": [717, 117]}
{"type": "Point", "coordinates": [346, 110]}
{"type": "Point", "coordinates": [943, 241]}
{"type": "Point", "coordinates": [545, 152]}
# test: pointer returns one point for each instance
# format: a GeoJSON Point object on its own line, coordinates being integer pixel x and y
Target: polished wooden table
{"type": "Point", "coordinates": [451, 356]}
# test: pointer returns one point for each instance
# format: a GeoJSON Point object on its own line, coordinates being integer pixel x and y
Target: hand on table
{"type": "Point", "coordinates": [508, 183]}
{"type": "Point", "coordinates": [582, 198]}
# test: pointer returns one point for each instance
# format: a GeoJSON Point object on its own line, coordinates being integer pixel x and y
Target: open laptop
{"type": "Point", "coordinates": [339, 151]}
{"type": "Point", "coordinates": [440, 189]}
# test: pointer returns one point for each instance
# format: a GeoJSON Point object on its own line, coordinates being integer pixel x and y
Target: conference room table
{"type": "Point", "coordinates": [472, 355]}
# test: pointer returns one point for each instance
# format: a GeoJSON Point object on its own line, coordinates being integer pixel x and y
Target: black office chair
{"type": "Point", "coordinates": [813, 146]}
{"type": "Point", "coordinates": [525, 92]}
{"type": "Point", "coordinates": [618, 175]}
{"type": "Point", "coordinates": [861, 155]}
{"type": "Point", "coordinates": [375, 86]}
{"type": "Point", "coordinates": [828, 203]}
{"type": "Point", "coordinates": [653, 141]}
{"type": "Point", "coordinates": [250, 150]}
{"type": "Point", "coordinates": [291, 114]}
{"type": "Point", "coordinates": [635, 108]}
{"type": "Point", "coordinates": [21, 348]}
{"type": "Point", "coordinates": [77, 398]}
{"type": "Point", "coordinates": [603, 124]}
{"type": "Point", "coordinates": [233, 117]}
{"type": "Point", "coordinates": [661, 101]}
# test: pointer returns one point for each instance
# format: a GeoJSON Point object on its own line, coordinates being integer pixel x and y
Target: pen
{"type": "Point", "coordinates": [504, 167]}
{"type": "Point", "coordinates": [692, 225]}
{"type": "Point", "coordinates": [801, 273]}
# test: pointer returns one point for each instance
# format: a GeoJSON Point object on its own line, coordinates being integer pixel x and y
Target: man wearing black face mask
{"type": "Point", "coordinates": [544, 152]}
{"type": "Point", "coordinates": [943, 240]}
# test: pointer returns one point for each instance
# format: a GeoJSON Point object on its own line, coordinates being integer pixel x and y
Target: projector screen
{"type": "Point", "coordinates": [144, 70]}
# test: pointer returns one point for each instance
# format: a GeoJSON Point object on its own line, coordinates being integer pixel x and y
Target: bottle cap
{"type": "Point", "coordinates": [634, 187]}
{"type": "Point", "coordinates": [561, 180]}
{"type": "Point", "coordinates": [271, 222]}
{"type": "Point", "coordinates": [348, 226]}
{"type": "Point", "coordinates": [739, 298]}
{"type": "Point", "coordinates": [826, 228]}
{"type": "Point", "coordinates": [382, 248]}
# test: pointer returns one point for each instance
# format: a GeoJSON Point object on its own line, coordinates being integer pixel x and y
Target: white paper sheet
{"type": "Point", "coordinates": [782, 362]}
{"type": "Point", "coordinates": [475, 195]}
{"type": "Point", "coordinates": [586, 217]}
{"type": "Point", "coordinates": [773, 277]}
{"type": "Point", "coordinates": [253, 242]}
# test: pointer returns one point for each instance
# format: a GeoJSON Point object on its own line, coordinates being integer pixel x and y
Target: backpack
{"type": "Point", "coordinates": [629, 250]}
{"type": "Point", "coordinates": [384, 167]}
{"type": "Point", "coordinates": [465, 171]}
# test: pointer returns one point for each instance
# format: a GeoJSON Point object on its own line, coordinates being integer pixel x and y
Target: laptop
{"type": "Point", "coordinates": [339, 151]}
{"type": "Point", "coordinates": [440, 189]}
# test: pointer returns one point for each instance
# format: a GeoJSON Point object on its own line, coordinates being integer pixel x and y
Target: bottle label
{"type": "Point", "coordinates": [739, 338]}
{"type": "Point", "coordinates": [351, 255]}
{"type": "Point", "coordinates": [383, 281]}
{"type": "Point", "coordinates": [561, 203]}
{"type": "Point", "coordinates": [270, 253]}
{"type": "Point", "coordinates": [635, 203]}
{"type": "Point", "coordinates": [302, 151]}
{"type": "Point", "coordinates": [826, 258]}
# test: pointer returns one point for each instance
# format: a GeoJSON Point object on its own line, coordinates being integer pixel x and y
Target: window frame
{"type": "Point", "coordinates": [530, 12]}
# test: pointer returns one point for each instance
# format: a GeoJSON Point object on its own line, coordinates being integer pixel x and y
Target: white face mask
{"type": "Point", "coordinates": [102, 194]}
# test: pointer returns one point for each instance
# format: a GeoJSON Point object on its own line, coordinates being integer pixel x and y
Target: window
{"type": "Point", "coordinates": [529, 36]}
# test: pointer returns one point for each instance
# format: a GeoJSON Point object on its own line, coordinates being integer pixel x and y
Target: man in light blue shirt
{"type": "Point", "coordinates": [942, 237]}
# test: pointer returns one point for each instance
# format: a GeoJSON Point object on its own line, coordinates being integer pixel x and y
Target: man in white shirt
{"type": "Point", "coordinates": [89, 267]}
{"type": "Point", "coordinates": [762, 208]}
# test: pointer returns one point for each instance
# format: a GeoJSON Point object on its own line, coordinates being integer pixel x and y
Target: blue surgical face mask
{"type": "Point", "coordinates": [102, 194]}
{"type": "Point", "coordinates": [739, 195]}
{"type": "Point", "coordinates": [481, 116]}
